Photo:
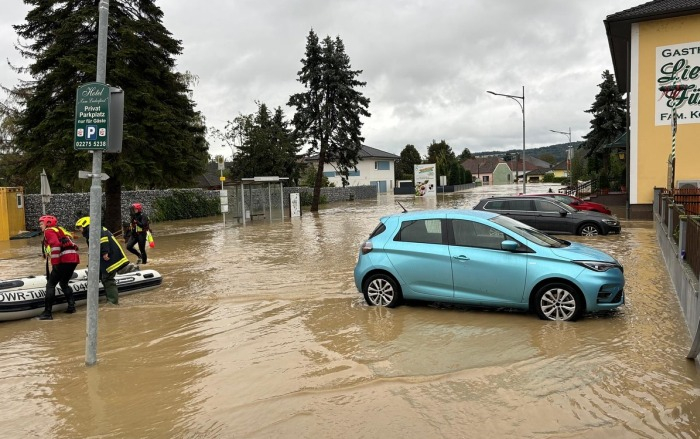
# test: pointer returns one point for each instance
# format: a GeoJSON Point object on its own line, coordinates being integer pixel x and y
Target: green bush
{"type": "Point", "coordinates": [184, 204]}
{"type": "Point", "coordinates": [307, 197]}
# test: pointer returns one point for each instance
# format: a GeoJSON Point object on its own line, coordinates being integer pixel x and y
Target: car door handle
{"type": "Point", "coordinates": [461, 258]}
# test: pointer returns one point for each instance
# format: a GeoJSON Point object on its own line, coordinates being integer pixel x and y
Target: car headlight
{"type": "Point", "coordinates": [610, 222]}
{"type": "Point", "coordinates": [598, 266]}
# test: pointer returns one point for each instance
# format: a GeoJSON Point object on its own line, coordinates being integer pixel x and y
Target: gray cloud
{"type": "Point", "coordinates": [427, 64]}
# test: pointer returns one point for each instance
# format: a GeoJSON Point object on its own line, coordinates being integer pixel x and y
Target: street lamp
{"type": "Point", "coordinates": [569, 157]}
{"type": "Point", "coordinates": [522, 107]}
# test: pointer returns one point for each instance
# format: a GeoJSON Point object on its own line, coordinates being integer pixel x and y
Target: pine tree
{"type": "Point", "coordinates": [164, 144]}
{"type": "Point", "coordinates": [405, 166]}
{"type": "Point", "coordinates": [446, 162]}
{"type": "Point", "coordinates": [328, 112]}
{"type": "Point", "coordinates": [267, 148]}
{"type": "Point", "coordinates": [287, 148]}
{"type": "Point", "coordinates": [608, 123]}
{"type": "Point", "coordinates": [465, 155]}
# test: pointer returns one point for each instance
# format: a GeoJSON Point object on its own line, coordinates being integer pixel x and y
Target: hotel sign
{"type": "Point", "coordinates": [92, 117]}
{"type": "Point", "coordinates": [678, 64]}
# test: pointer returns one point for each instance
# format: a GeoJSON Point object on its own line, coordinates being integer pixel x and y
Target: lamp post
{"type": "Point", "coordinates": [672, 92]}
{"type": "Point", "coordinates": [569, 157]}
{"type": "Point", "coordinates": [517, 99]}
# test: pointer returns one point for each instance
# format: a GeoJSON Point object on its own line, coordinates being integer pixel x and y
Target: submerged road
{"type": "Point", "coordinates": [258, 332]}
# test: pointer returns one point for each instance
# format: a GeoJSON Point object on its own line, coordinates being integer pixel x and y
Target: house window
{"type": "Point", "coordinates": [382, 165]}
{"type": "Point", "coordinates": [329, 174]}
{"type": "Point", "coordinates": [354, 173]}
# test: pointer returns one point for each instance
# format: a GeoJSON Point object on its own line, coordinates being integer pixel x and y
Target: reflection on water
{"type": "Point", "coordinates": [258, 331]}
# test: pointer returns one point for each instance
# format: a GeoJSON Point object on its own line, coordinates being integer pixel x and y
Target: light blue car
{"type": "Point", "coordinates": [484, 259]}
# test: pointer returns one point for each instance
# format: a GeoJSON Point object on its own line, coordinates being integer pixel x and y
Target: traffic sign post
{"type": "Point", "coordinates": [92, 117]}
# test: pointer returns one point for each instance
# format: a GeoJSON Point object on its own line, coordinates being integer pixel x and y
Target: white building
{"type": "Point", "coordinates": [375, 168]}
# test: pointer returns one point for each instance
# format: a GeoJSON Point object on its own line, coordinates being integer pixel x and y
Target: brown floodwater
{"type": "Point", "coordinates": [258, 332]}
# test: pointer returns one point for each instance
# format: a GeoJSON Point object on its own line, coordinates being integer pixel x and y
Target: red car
{"type": "Point", "coordinates": [576, 202]}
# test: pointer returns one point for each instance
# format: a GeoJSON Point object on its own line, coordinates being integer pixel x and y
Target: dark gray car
{"type": "Point", "coordinates": [551, 216]}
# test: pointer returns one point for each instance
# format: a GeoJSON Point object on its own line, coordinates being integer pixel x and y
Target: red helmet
{"type": "Point", "coordinates": [136, 208]}
{"type": "Point", "coordinates": [48, 220]}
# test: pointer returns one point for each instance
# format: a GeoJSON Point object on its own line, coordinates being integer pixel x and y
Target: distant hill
{"type": "Point", "coordinates": [558, 151]}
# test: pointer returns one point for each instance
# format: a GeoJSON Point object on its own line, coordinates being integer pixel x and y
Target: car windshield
{"type": "Point", "coordinates": [529, 233]}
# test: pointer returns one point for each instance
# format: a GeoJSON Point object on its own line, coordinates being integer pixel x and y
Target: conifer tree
{"type": "Point", "coordinates": [267, 148]}
{"type": "Point", "coordinates": [409, 158]}
{"type": "Point", "coordinates": [328, 112]}
{"type": "Point", "coordinates": [608, 123]}
{"type": "Point", "coordinates": [164, 144]}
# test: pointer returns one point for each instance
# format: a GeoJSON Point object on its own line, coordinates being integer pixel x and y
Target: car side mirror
{"type": "Point", "coordinates": [509, 245]}
{"type": "Point", "coordinates": [563, 213]}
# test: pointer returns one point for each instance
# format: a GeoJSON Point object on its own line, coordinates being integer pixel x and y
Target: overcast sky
{"type": "Point", "coordinates": [427, 63]}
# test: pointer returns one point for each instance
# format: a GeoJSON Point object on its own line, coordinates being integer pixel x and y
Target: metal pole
{"type": "Point", "coordinates": [517, 99]}
{"type": "Point", "coordinates": [93, 292]}
{"type": "Point", "coordinates": [569, 157]}
{"type": "Point", "coordinates": [269, 198]}
{"type": "Point", "coordinates": [674, 127]}
{"type": "Point", "coordinates": [676, 88]}
{"type": "Point", "coordinates": [524, 177]}
{"type": "Point", "coordinates": [282, 200]}
{"type": "Point", "coordinates": [221, 172]}
{"type": "Point", "coordinates": [243, 202]}
{"type": "Point", "coordinates": [571, 162]}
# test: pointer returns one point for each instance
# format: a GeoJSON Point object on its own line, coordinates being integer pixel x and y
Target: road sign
{"type": "Point", "coordinates": [92, 117]}
{"type": "Point", "coordinates": [87, 174]}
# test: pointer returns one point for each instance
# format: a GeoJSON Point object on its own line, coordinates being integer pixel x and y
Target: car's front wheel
{"type": "Point", "coordinates": [589, 230]}
{"type": "Point", "coordinates": [559, 301]}
{"type": "Point", "coordinates": [381, 290]}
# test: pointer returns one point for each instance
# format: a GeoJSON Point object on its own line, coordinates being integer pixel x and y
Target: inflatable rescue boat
{"type": "Point", "coordinates": [24, 297]}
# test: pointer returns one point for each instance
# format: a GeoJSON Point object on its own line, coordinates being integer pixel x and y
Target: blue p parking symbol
{"type": "Point", "coordinates": [91, 132]}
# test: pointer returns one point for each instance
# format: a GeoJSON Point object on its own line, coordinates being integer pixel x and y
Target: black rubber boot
{"type": "Point", "coordinates": [48, 303]}
{"type": "Point", "coordinates": [70, 300]}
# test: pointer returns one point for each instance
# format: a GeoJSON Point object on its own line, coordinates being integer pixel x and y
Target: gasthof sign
{"type": "Point", "coordinates": [92, 117]}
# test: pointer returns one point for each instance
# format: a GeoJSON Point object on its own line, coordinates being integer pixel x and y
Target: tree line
{"type": "Point", "coordinates": [164, 143]}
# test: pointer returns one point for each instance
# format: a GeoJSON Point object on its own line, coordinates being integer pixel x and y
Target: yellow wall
{"type": "Point", "coordinates": [654, 142]}
{"type": "Point", "coordinates": [11, 215]}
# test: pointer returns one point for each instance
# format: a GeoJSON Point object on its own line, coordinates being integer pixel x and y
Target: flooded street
{"type": "Point", "coordinates": [258, 332]}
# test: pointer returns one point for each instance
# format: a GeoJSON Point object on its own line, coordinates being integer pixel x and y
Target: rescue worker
{"type": "Point", "coordinates": [138, 228]}
{"type": "Point", "coordinates": [58, 247]}
{"type": "Point", "coordinates": [112, 258]}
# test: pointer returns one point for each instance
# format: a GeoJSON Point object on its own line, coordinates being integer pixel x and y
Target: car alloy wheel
{"type": "Point", "coordinates": [381, 290]}
{"type": "Point", "coordinates": [589, 230]}
{"type": "Point", "coordinates": [558, 301]}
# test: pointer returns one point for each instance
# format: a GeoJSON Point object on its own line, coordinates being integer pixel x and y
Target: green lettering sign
{"type": "Point", "coordinates": [92, 117]}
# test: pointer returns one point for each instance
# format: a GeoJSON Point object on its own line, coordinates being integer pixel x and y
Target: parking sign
{"type": "Point", "coordinates": [92, 117]}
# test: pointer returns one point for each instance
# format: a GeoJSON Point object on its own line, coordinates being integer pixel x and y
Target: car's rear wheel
{"type": "Point", "coordinates": [588, 230]}
{"type": "Point", "coordinates": [559, 301]}
{"type": "Point", "coordinates": [381, 290]}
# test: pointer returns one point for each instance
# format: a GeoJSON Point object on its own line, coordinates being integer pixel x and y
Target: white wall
{"type": "Point", "coordinates": [368, 173]}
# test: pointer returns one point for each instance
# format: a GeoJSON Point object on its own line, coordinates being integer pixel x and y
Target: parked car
{"type": "Point", "coordinates": [484, 259]}
{"type": "Point", "coordinates": [549, 215]}
{"type": "Point", "coordinates": [576, 202]}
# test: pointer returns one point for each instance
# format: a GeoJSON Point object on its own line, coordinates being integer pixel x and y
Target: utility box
{"type": "Point", "coordinates": [11, 212]}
